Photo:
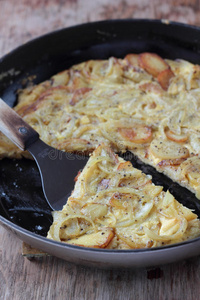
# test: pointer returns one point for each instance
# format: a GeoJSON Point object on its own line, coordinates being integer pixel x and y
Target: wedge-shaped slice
{"type": "Point", "coordinates": [116, 206]}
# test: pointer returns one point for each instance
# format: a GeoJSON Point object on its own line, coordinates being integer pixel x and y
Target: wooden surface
{"type": "Point", "coordinates": [52, 278]}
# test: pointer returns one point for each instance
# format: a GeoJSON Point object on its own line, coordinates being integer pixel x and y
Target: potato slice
{"type": "Point", "coordinates": [79, 95]}
{"type": "Point", "coordinates": [128, 238]}
{"type": "Point", "coordinates": [94, 70]}
{"type": "Point", "coordinates": [152, 192]}
{"type": "Point", "coordinates": [164, 78]}
{"type": "Point", "coordinates": [191, 170]}
{"type": "Point", "coordinates": [40, 101]}
{"type": "Point", "coordinates": [171, 162]}
{"type": "Point", "coordinates": [120, 201]}
{"type": "Point", "coordinates": [150, 87]}
{"type": "Point", "coordinates": [132, 59]}
{"type": "Point", "coordinates": [175, 137]}
{"type": "Point", "coordinates": [94, 210]}
{"type": "Point", "coordinates": [166, 149]}
{"type": "Point", "coordinates": [139, 134]}
{"type": "Point", "coordinates": [152, 63]}
{"type": "Point", "coordinates": [168, 226]}
{"type": "Point", "coordinates": [117, 203]}
{"type": "Point", "coordinates": [74, 144]}
{"type": "Point", "coordinates": [99, 239]}
{"type": "Point", "coordinates": [61, 78]}
{"type": "Point", "coordinates": [124, 166]}
{"type": "Point", "coordinates": [188, 214]}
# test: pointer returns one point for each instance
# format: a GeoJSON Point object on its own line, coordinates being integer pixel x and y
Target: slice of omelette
{"type": "Point", "coordinates": [116, 206]}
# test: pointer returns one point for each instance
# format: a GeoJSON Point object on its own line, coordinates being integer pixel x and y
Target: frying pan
{"type": "Point", "coordinates": [23, 209]}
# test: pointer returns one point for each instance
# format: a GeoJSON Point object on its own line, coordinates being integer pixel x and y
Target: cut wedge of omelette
{"type": "Point", "coordinates": [143, 103]}
{"type": "Point", "coordinates": [116, 206]}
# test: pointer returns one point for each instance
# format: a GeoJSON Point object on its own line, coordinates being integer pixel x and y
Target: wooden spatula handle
{"type": "Point", "coordinates": [15, 128]}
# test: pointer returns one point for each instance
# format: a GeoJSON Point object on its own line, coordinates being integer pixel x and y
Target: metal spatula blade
{"type": "Point", "coordinates": [57, 168]}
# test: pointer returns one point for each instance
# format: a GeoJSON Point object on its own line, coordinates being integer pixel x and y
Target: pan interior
{"type": "Point", "coordinates": [21, 196]}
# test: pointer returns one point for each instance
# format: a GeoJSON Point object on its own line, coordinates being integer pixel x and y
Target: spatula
{"type": "Point", "coordinates": [57, 168]}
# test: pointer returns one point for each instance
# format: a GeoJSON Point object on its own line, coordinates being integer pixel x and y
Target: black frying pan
{"type": "Point", "coordinates": [22, 206]}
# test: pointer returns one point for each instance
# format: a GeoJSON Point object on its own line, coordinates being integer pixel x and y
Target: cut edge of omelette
{"type": "Point", "coordinates": [116, 206]}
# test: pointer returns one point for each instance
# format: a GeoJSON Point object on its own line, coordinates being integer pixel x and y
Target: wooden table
{"type": "Point", "coordinates": [52, 278]}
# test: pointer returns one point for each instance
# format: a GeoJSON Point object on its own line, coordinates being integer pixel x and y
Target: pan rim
{"type": "Point", "coordinates": [26, 232]}
{"type": "Point", "coordinates": [165, 22]}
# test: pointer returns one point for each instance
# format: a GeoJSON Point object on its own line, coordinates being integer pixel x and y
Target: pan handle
{"type": "Point", "coordinates": [15, 128]}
